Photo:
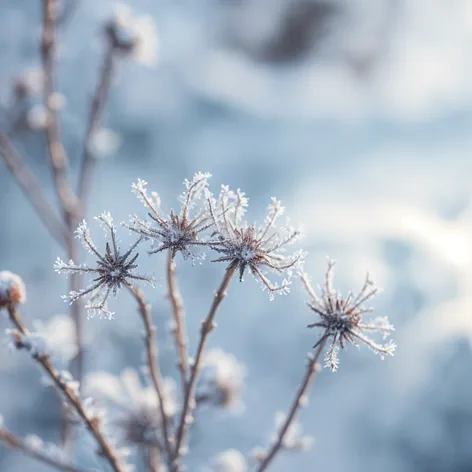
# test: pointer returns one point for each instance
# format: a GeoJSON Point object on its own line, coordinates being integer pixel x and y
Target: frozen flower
{"type": "Point", "coordinates": [133, 409]}
{"type": "Point", "coordinates": [177, 232]}
{"type": "Point", "coordinates": [134, 35]}
{"type": "Point", "coordinates": [341, 318]}
{"type": "Point", "coordinates": [254, 248]}
{"type": "Point", "coordinates": [221, 380]}
{"type": "Point", "coordinates": [112, 270]}
{"type": "Point", "coordinates": [12, 289]}
{"type": "Point", "coordinates": [230, 460]}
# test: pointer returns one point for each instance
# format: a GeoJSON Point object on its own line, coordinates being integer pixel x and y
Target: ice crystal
{"type": "Point", "coordinates": [177, 232]}
{"type": "Point", "coordinates": [112, 270]}
{"type": "Point", "coordinates": [221, 380]}
{"type": "Point", "coordinates": [12, 289]}
{"type": "Point", "coordinates": [134, 409]}
{"type": "Point", "coordinates": [250, 247]}
{"type": "Point", "coordinates": [135, 35]}
{"type": "Point", "coordinates": [341, 318]}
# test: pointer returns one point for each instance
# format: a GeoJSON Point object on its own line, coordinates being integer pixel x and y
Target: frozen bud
{"type": "Point", "coordinates": [230, 460]}
{"type": "Point", "coordinates": [134, 35]}
{"type": "Point", "coordinates": [12, 289]}
{"type": "Point", "coordinates": [37, 118]}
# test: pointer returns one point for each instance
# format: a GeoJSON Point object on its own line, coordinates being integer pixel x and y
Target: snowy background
{"type": "Point", "coordinates": [358, 116]}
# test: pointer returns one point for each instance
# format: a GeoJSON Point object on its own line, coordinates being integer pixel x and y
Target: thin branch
{"type": "Point", "coordinates": [92, 423]}
{"type": "Point", "coordinates": [14, 442]}
{"type": "Point", "coordinates": [57, 154]}
{"type": "Point", "coordinates": [31, 188]}
{"type": "Point", "coordinates": [98, 104]}
{"type": "Point", "coordinates": [312, 369]}
{"type": "Point", "coordinates": [189, 401]}
{"type": "Point", "coordinates": [179, 320]}
{"type": "Point", "coordinates": [153, 362]}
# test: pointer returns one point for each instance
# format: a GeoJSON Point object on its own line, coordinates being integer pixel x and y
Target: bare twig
{"type": "Point", "coordinates": [92, 422]}
{"type": "Point", "coordinates": [31, 188]}
{"type": "Point", "coordinates": [153, 362]}
{"type": "Point", "coordinates": [98, 104]}
{"type": "Point", "coordinates": [189, 400]}
{"type": "Point", "coordinates": [179, 320]}
{"type": "Point", "coordinates": [57, 154]}
{"type": "Point", "coordinates": [312, 369]}
{"type": "Point", "coordinates": [69, 202]}
{"type": "Point", "coordinates": [14, 442]}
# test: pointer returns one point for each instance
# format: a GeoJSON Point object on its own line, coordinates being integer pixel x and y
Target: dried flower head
{"type": "Point", "coordinates": [135, 35]}
{"type": "Point", "coordinates": [133, 409]}
{"type": "Point", "coordinates": [221, 380]}
{"type": "Point", "coordinates": [341, 318]}
{"type": "Point", "coordinates": [254, 248]}
{"type": "Point", "coordinates": [12, 289]}
{"type": "Point", "coordinates": [177, 232]}
{"type": "Point", "coordinates": [112, 270]}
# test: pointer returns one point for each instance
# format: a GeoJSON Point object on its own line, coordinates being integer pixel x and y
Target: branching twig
{"type": "Point", "coordinates": [96, 109]}
{"type": "Point", "coordinates": [189, 400]}
{"type": "Point", "coordinates": [153, 362]}
{"type": "Point", "coordinates": [92, 423]}
{"type": "Point", "coordinates": [312, 369]}
{"type": "Point", "coordinates": [14, 442]}
{"type": "Point", "coordinates": [31, 188]}
{"type": "Point", "coordinates": [179, 320]}
{"type": "Point", "coordinates": [57, 154]}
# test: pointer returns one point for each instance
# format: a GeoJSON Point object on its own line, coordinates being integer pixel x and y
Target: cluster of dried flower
{"type": "Point", "coordinates": [121, 412]}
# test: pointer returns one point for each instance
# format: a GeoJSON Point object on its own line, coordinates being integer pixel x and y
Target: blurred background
{"type": "Point", "coordinates": [358, 116]}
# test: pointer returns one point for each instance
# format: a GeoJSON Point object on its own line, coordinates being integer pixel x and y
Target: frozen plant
{"type": "Point", "coordinates": [221, 380]}
{"type": "Point", "coordinates": [12, 289]}
{"type": "Point", "coordinates": [177, 232]}
{"type": "Point", "coordinates": [113, 268]}
{"type": "Point", "coordinates": [133, 409]}
{"type": "Point", "coordinates": [341, 318]}
{"type": "Point", "coordinates": [134, 35]}
{"type": "Point", "coordinates": [250, 247]}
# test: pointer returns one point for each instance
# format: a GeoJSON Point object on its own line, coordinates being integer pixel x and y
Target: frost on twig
{"type": "Point", "coordinates": [246, 246]}
{"type": "Point", "coordinates": [112, 270]}
{"type": "Point", "coordinates": [293, 438]}
{"type": "Point", "coordinates": [177, 232]}
{"type": "Point", "coordinates": [341, 318]}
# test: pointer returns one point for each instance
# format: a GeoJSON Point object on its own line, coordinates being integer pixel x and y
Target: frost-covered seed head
{"type": "Point", "coordinates": [177, 232]}
{"type": "Point", "coordinates": [133, 408]}
{"type": "Point", "coordinates": [12, 289]}
{"type": "Point", "coordinates": [341, 318]}
{"type": "Point", "coordinates": [221, 381]}
{"type": "Point", "coordinates": [133, 35]}
{"type": "Point", "coordinates": [112, 269]}
{"type": "Point", "coordinates": [248, 247]}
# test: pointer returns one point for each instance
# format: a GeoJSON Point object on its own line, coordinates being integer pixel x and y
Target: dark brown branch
{"type": "Point", "coordinates": [189, 400]}
{"type": "Point", "coordinates": [153, 362]}
{"type": "Point", "coordinates": [31, 188]}
{"type": "Point", "coordinates": [13, 442]}
{"type": "Point", "coordinates": [179, 320]}
{"type": "Point", "coordinates": [92, 423]}
{"type": "Point", "coordinates": [312, 369]}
